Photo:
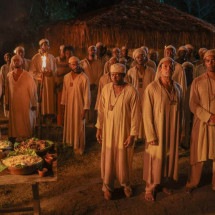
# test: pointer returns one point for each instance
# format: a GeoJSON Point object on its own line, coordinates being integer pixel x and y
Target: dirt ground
{"type": "Point", "coordinates": [78, 189]}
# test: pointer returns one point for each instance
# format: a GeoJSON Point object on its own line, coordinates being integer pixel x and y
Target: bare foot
{"type": "Point", "coordinates": [149, 196]}
{"type": "Point", "coordinates": [166, 191]}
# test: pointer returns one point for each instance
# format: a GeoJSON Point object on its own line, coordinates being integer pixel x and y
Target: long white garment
{"type": "Point", "coordinates": [76, 98]}
{"type": "Point", "coordinates": [162, 120]}
{"type": "Point", "coordinates": [48, 105]}
{"type": "Point", "coordinates": [22, 96]}
{"type": "Point", "coordinates": [140, 82]}
{"type": "Point", "coordinates": [117, 123]}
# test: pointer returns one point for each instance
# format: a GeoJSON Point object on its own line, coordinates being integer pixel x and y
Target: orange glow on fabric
{"type": "Point", "coordinates": [43, 62]}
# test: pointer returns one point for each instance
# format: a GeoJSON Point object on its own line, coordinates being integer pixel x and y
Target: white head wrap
{"type": "Point", "coordinates": [62, 47]}
{"type": "Point", "coordinates": [118, 68]}
{"type": "Point", "coordinates": [189, 46]}
{"type": "Point", "coordinates": [18, 48]}
{"type": "Point", "coordinates": [182, 48]}
{"type": "Point", "coordinates": [209, 52]}
{"type": "Point", "coordinates": [188, 64]}
{"type": "Point", "coordinates": [44, 40]}
{"type": "Point", "coordinates": [92, 46]}
{"type": "Point", "coordinates": [73, 58]}
{"type": "Point", "coordinates": [138, 51]}
{"type": "Point", "coordinates": [170, 47]}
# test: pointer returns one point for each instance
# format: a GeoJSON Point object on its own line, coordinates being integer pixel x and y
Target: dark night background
{"type": "Point", "coordinates": [22, 19]}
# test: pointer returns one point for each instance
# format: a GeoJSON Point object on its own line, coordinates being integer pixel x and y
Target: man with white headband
{"type": "Point", "coordinates": [140, 76]}
{"type": "Point", "coordinates": [76, 102]}
{"type": "Point", "coordinates": [178, 74]}
{"type": "Point", "coordinates": [44, 76]}
{"type": "Point", "coordinates": [162, 117]}
{"type": "Point", "coordinates": [94, 70]}
{"type": "Point", "coordinates": [20, 50]}
{"type": "Point", "coordinates": [202, 104]}
{"type": "Point", "coordinates": [117, 126]}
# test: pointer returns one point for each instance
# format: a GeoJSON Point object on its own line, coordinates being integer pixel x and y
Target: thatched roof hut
{"type": "Point", "coordinates": [133, 23]}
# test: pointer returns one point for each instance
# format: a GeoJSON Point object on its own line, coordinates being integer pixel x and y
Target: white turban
{"type": "Point", "coordinates": [166, 59]}
{"type": "Point", "coordinates": [202, 50]}
{"type": "Point", "coordinates": [18, 48]}
{"type": "Point", "coordinates": [62, 47]}
{"type": "Point", "coordinates": [209, 53]}
{"type": "Point", "coordinates": [118, 68]}
{"type": "Point", "coordinates": [90, 47]}
{"type": "Point", "coordinates": [138, 51]}
{"type": "Point", "coordinates": [44, 40]}
{"type": "Point", "coordinates": [182, 48]}
{"type": "Point", "coordinates": [188, 64]}
{"type": "Point", "coordinates": [170, 47]}
{"type": "Point", "coordinates": [74, 59]}
{"type": "Point", "coordinates": [189, 46]}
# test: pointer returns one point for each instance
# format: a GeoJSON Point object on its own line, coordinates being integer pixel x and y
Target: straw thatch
{"type": "Point", "coordinates": [133, 24]}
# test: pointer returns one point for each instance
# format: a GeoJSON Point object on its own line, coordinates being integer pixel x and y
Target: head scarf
{"type": "Point", "coordinates": [44, 40]}
{"type": "Point", "coordinates": [118, 68]}
{"type": "Point", "coordinates": [138, 51]}
{"type": "Point", "coordinates": [209, 52]}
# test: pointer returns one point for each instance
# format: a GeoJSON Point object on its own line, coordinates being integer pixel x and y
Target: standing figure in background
{"type": "Point", "coordinates": [162, 117]}
{"type": "Point", "coordinates": [21, 101]}
{"type": "Point", "coordinates": [202, 105]}
{"type": "Point", "coordinates": [117, 126]}
{"type": "Point", "coordinates": [140, 76]}
{"type": "Point", "coordinates": [153, 55]}
{"type": "Point", "coordinates": [44, 76]}
{"type": "Point", "coordinates": [124, 53]}
{"type": "Point", "coordinates": [200, 67]}
{"type": "Point", "coordinates": [19, 50]}
{"type": "Point", "coordinates": [93, 69]}
{"type": "Point", "coordinates": [63, 68]}
{"type": "Point", "coordinates": [75, 103]}
{"type": "Point", "coordinates": [181, 54]}
{"type": "Point", "coordinates": [3, 75]}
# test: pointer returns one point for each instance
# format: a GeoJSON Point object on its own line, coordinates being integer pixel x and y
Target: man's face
{"type": "Point", "coordinates": [166, 69]}
{"type": "Point", "coordinates": [74, 66]}
{"type": "Point", "coordinates": [210, 63]}
{"type": "Point", "coordinates": [169, 53]}
{"type": "Point", "coordinates": [44, 47]}
{"type": "Point", "coordinates": [7, 58]}
{"type": "Point", "coordinates": [124, 52]}
{"type": "Point", "coordinates": [68, 54]}
{"type": "Point", "coordinates": [17, 62]}
{"type": "Point", "coordinates": [92, 51]}
{"type": "Point", "coordinates": [117, 78]}
{"type": "Point", "coordinates": [141, 59]}
{"type": "Point", "coordinates": [182, 54]}
{"type": "Point", "coordinates": [116, 53]}
{"type": "Point", "coordinates": [21, 53]}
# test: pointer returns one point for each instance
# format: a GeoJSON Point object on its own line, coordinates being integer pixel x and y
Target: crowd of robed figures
{"type": "Point", "coordinates": [162, 103]}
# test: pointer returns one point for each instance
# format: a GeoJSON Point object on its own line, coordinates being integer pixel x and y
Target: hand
{"type": "Point", "coordinates": [154, 142]}
{"type": "Point", "coordinates": [99, 136]}
{"type": "Point", "coordinates": [129, 142]}
{"type": "Point", "coordinates": [33, 108]}
{"type": "Point", "coordinates": [212, 119]}
{"type": "Point", "coordinates": [83, 115]}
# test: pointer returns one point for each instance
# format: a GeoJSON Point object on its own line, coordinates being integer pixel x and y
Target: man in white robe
{"type": "Point", "coordinates": [117, 126]}
{"type": "Point", "coordinates": [44, 72]}
{"type": "Point", "coordinates": [21, 101]}
{"type": "Point", "coordinates": [202, 104]}
{"type": "Point", "coordinates": [162, 120]}
{"type": "Point", "coordinates": [94, 70]}
{"type": "Point", "coordinates": [140, 76]}
{"type": "Point", "coordinates": [76, 101]}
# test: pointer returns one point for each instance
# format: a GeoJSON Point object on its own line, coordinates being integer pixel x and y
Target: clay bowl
{"type": "Point", "coordinates": [43, 172]}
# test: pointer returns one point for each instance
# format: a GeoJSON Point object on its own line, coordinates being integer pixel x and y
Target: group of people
{"type": "Point", "coordinates": [129, 99]}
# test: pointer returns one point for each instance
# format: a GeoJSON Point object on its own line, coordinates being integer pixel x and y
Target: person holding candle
{"type": "Point", "coordinates": [43, 68]}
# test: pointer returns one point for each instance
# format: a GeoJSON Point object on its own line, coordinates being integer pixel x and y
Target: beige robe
{"type": "Point", "coordinates": [76, 98]}
{"type": "Point", "coordinates": [162, 122]}
{"type": "Point", "coordinates": [105, 79]}
{"type": "Point", "coordinates": [4, 71]}
{"type": "Point", "coordinates": [150, 63]}
{"type": "Point", "coordinates": [94, 71]}
{"type": "Point", "coordinates": [117, 125]}
{"type": "Point", "coordinates": [140, 82]}
{"type": "Point", "coordinates": [202, 104]}
{"type": "Point", "coordinates": [22, 95]}
{"type": "Point", "coordinates": [48, 91]}
{"type": "Point", "coordinates": [199, 70]}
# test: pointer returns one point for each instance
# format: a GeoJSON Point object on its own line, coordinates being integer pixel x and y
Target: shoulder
{"type": "Point", "coordinates": [200, 78]}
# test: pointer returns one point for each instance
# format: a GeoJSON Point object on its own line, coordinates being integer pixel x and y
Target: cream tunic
{"type": "Point", "coordinates": [22, 96]}
{"type": "Point", "coordinates": [76, 98]}
{"type": "Point", "coordinates": [162, 120]}
{"type": "Point", "coordinates": [117, 125]}
{"type": "Point", "coordinates": [48, 105]}
{"type": "Point", "coordinates": [202, 104]}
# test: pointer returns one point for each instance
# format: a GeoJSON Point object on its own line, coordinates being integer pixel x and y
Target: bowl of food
{"type": "Point", "coordinates": [41, 147]}
{"type": "Point", "coordinates": [5, 145]}
{"type": "Point", "coordinates": [22, 164]}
